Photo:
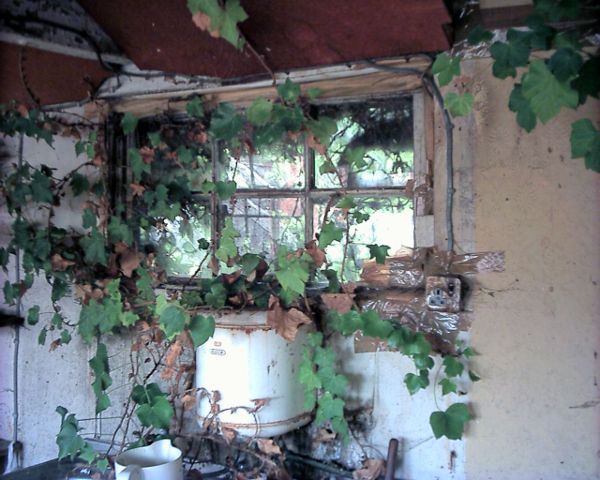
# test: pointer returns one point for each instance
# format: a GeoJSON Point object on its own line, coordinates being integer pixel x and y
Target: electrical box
{"type": "Point", "coordinates": [442, 294]}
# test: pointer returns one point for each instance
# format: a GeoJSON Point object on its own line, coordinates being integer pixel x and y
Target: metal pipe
{"type": "Point", "coordinates": [390, 463]}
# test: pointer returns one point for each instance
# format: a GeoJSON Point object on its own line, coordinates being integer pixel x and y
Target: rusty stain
{"type": "Point", "coordinates": [234, 426]}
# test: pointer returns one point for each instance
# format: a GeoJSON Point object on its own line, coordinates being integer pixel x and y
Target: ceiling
{"type": "Point", "coordinates": [160, 35]}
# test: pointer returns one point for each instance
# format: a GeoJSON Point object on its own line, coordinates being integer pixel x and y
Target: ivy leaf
{"type": "Point", "coordinates": [157, 413]}
{"type": "Point", "coordinates": [478, 35]}
{"type": "Point", "coordinates": [307, 375]}
{"type": "Point", "coordinates": [129, 123]}
{"type": "Point", "coordinates": [227, 248]}
{"type": "Point", "coordinates": [450, 423]}
{"type": "Point", "coordinates": [375, 326]}
{"type": "Point", "coordinates": [346, 203]}
{"type": "Point", "coordinates": [519, 104]}
{"type": "Point", "coordinates": [587, 82]}
{"type": "Point", "coordinates": [446, 68]}
{"type": "Point", "coordinates": [416, 344]}
{"type": "Point", "coordinates": [33, 315]}
{"type": "Point", "coordinates": [508, 56]}
{"type": "Point", "coordinates": [423, 362]}
{"type": "Point", "coordinates": [346, 323]}
{"type": "Point", "coordinates": [448, 386]}
{"type": "Point", "coordinates": [546, 94]}
{"type": "Point", "coordinates": [118, 230]}
{"type": "Point", "coordinates": [226, 123]}
{"type": "Point", "coordinates": [322, 129]}
{"type": "Point", "coordinates": [172, 320]}
{"type": "Point", "coordinates": [453, 367]}
{"type": "Point", "coordinates": [329, 234]}
{"type": "Point", "coordinates": [94, 248]}
{"type": "Point", "coordinates": [138, 166]}
{"type": "Point", "coordinates": [585, 142]}
{"type": "Point", "coordinates": [201, 329]}
{"type": "Point", "coordinates": [314, 92]}
{"type": "Point", "coordinates": [225, 189]}
{"type": "Point", "coordinates": [473, 376]}
{"type": "Point", "coordinates": [89, 218]}
{"type": "Point", "coordinates": [68, 439]}
{"type": "Point", "coordinates": [414, 383]}
{"type": "Point", "coordinates": [102, 380]}
{"type": "Point", "coordinates": [79, 184]}
{"type": "Point", "coordinates": [289, 91]}
{"type": "Point", "coordinates": [458, 105]}
{"type": "Point", "coordinates": [565, 63]}
{"type": "Point", "coordinates": [217, 296]}
{"type": "Point", "coordinates": [329, 408]}
{"type": "Point", "coordinates": [469, 352]}
{"type": "Point", "coordinates": [40, 188]}
{"type": "Point", "coordinates": [292, 272]}
{"type": "Point", "coordinates": [259, 112]}
{"type": "Point", "coordinates": [193, 109]}
{"type": "Point", "coordinates": [154, 138]}
{"type": "Point", "coordinates": [65, 337]}
{"type": "Point", "coordinates": [378, 252]}
{"type": "Point", "coordinates": [42, 336]}
{"type": "Point", "coordinates": [332, 382]}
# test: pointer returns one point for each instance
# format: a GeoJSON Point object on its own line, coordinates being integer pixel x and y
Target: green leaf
{"type": "Point", "coordinates": [519, 104]}
{"type": "Point", "coordinates": [478, 35]}
{"type": "Point", "coordinates": [292, 271]}
{"type": "Point", "coordinates": [33, 315]}
{"type": "Point", "coordinates": [225, 190]}
{"type": "Point", "coordinates": [65, 337]}
{"type": "Point", "coordinates": [414, 383]}
{"type": "Point", "coordinates": [473, 376]}
{"type": "Point", "coordinates": [446, 68]}
{"type": "Point", "coordinates": [42, 336]}
{"type": "Point", "coordinates": [307, 375]}
{"type": "Point", "coordinates": [375, 326]}
{"type": "Point", "coordinates": [41, 188]}
{"type": "Point", "coordinates": [346, 323]}
{"type": "Point", "coordinates": [448, 386]}
{"type": "Point", "coordinates": [332, 382]}
{"type": "Point", "coordinates": [416, 344]}
{"type": "Point", "coordinates": [565, 64]}
{"type": "Point", "coordinates": [314, 92]}
{"type": "Point", "coordinates": [329, 234]}
{"type": "Point", "coordinates": [226, 123]}
{"type": "Point", "coordinates": [423, 362]}
{"type": "Point", "coordinates": [378, 252]}
{"type": "Point", "coordinates": [587, 82]}
{"type": "Point", "coordinates": [453, 367]}
{"type": "Point", "coordinates": [346, 203]}
{"type": "Point", "coordinates": [172, 321]}
{"type": "Point", "coordinates": [289, 91]}
{"type": "Point", "coordinates": [545, 93]}
{"type": "Point", "coordinates": [154, 138]}
{"type": "Point", "coordinates": [217, 297]}
{"type": "Point", "coordinates": [224, 18]}
{"type": "Point", "coordinates": [330, 407]}
{"type": "Point", "coordinates": [102, 464]}
{"type": "Point", "coordinates": [87, 454]}
{"type": "Point", "coordinates": [129, 123]}
{"type": "Point", "coordinates": [458, 105]}
{"type": "Point", "coordinates": [68, 440]}
{"type": "Point", "coordinates": [201, 329]}
{"type": "Point", "coordinates": [322, 129]}
{"type": "Point", "coordinates": [157, 413]}
{"type": "Point", "coordinates": [138, 166]}
{"type": "Point", "coordinates": [118, 230]}
{"type": "Point", "coordinates": [450, 423]}
{"type": "Point", "coordinates": [193, 109]}
{"type": "Point", "coordinates": [102, 380]}
{"type": "Point", "coordinates": [89, 218]}
{"type": "Point", "coordinates": [79, 184]}
{"type": "Point", "coordinates": [508, 56]}
{"type": "Point", "coordinates": [94, 247]}
{"type": "Point", "coordinates": [469, 352]}
{"type": "Point", "coordinates": [259, 112]}
{"type": "Point", "coordinates": [585, 142]}
{"type": "Point", "coordinates": [227, 248]}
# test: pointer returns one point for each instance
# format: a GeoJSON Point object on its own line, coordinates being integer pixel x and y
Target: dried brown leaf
{"type": "Point", "coordinates": [230, 278]}
{"type": "Point", "coordinates": [259, 403]}
{"type": "Point", "coordinates": [60, 264]}
{"type": "Point", "coordinates": [147, 154]}
{"type": "Point", "coordinates": [136, 189]}
{"type": "Point", "coordinates": [55, 344]}
{"type": "Point", "coordinates": [129, 260]}
{"type": "Point", "coordinates": [188, 401]}
{"type": "Point", "coordinates": [285, 322]}
{"type": "Point", "coordinates": [317, 254]}
{"type": "Point", "coordinates": [228, 434]}
{"type": "Point", "coordinates": [372, 469]}
{"type": "Point", "coordinates": [339, 302]}
{"type": "Point", "coordinates": [268, 446]}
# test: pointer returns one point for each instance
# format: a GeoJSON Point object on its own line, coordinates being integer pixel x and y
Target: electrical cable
{"type": "Point", "coordinates": [448, 126]}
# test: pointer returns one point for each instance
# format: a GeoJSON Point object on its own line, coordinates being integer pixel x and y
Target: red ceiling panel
{"type": "Point", "coordinates": [52, 78]}
{"type": "Point", "coordinates": [160, 35]}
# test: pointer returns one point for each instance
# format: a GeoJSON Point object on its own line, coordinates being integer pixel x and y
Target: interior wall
{"type": "Point", "coordinates": [536, 325]}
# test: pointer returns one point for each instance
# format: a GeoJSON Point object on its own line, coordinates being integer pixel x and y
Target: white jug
{"type": "Point", "coordinates": [159, 461]}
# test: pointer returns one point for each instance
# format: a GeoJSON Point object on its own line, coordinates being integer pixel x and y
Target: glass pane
{"type": "Point", "coordinates": [373, 145]}
{"type": "Point", "coordinates": [178, 251]}
{"type": "Point", "coordinates": [266, 223]}
{"type": "Point", "coordinates": [277, 166]}
{"type": "Point", "coordinates": [390, 223]}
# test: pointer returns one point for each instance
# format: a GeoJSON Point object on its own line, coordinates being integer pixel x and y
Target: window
{"type": "Point", "coordinates": [284, 190]}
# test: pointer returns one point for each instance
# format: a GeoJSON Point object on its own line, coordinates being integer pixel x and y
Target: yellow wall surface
{"type": "Point", "coordinates": [536, 325]}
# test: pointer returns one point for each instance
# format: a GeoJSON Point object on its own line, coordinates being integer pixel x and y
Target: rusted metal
{"type": "Point", "coordinates": [390, 463]}
{"type": "Point", "coordinates": [247, 426]}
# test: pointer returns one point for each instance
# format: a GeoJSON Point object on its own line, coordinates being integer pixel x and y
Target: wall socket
{"type": "Point", "coordinates": [442, 294]}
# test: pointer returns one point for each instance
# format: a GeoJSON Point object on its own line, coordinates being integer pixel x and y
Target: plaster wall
{"type": "Point", "coordinates": [536, 325]}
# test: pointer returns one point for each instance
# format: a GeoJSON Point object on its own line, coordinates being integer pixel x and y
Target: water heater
{"type": "Point", "coordinates": [250, 365]}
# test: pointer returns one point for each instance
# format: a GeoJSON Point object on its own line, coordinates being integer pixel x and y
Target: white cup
{"type": "Point", "coordinates": [159, 461]}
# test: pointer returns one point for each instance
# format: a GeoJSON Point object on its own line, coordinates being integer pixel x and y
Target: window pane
{"type": "Point", "coordinates": [373, 145]}
{"type": "Point", "coordinates": [178, 251]}
{"type": "Point", "coordinates": [277, 166]}
{"type": "Point", "coordinates": [266, 223]}
{"type": "Point", "coordinates": [390, 223]}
